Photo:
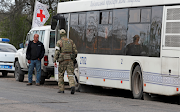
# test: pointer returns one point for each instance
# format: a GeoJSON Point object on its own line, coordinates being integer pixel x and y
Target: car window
{"type": "Point", "coordinates": [27, 40]}
{"type": "Point", "coordinates": [52, 39]}
{"type": "Point", "coordinates": [41, 36]}
{"type": "Point", "coordinates": [32, 34]}
{"type": "Point", "coordinates": [7, 48]}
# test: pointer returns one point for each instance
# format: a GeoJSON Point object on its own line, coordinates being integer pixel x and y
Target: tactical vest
{"type": "Point", "coordinates": [66, 50]}
{"type": "Point", "coordinates": [66, 46]}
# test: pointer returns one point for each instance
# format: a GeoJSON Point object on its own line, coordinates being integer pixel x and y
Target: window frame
{"type": "Point", "coordinates": [111, 12]}
{"type": "Point", "coordinates": [141, 8]}
{"type": "Point", "coordinates": [54, 39]}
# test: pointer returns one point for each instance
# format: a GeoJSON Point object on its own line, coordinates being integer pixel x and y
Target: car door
{"type": "Point", "coordinates": [29, 37]}
{"type": "Point", "coordinates": [23, 58]}
{"type": "Point", "coordinates": [51, 49]}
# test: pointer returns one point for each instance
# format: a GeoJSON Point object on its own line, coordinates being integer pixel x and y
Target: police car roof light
{"type": "Point", "coordinates": [4, 40]}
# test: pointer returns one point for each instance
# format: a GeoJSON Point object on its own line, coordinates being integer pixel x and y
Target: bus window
{"type": "Point", "coordinates": [156, 27]}
{"type": "Point", "coordinates": [74, 19]}
{"type": "Point", "coordinates": [57, 32]}
{"type": "Point", "coordinates": [134, 15]}
{"type": "Point", "coordinates": [104, 39]}
{"type": "Point", "coordinates": [66, 16]}
{"type": "Point", "coordinates": [91, 31]}
{"type": "Point", "coordinates": [120, 22]}
{"type": "Point", "coordinates": [105, 32]}
{"type": "Point", "coordinates": [145, 15]}
{"type": "Point", "coordinates": [105, 17]}
{"type": "Point", "coordinates": [82, 19]}
{"type": "Point", "coordinates": [77, 33]}
{"type": "Point", "coordinates": [52, 39]}
{"type": "Point", "coordinates": [137, 39]}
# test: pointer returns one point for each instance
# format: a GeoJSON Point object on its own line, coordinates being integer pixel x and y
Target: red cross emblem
{"type": "Point", "coordinates": [41, 15]}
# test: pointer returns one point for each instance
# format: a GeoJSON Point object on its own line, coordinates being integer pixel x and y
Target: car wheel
{"type": "Point", "coordinates": [43, 76]}
{"type": "Point", "coordinates": [42, 79]}
{"type": "Point", "coordinates": [18, 74]}
{"type": "Point", "coordinates": [4, 73]}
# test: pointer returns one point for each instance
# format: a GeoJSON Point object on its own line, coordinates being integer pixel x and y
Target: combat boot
{"type": "Point", "coordinates": [60, 91]}
{"type": "Point", "coordinates": [72, 90]}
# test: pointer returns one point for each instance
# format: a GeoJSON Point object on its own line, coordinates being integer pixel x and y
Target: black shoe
{"type": "Point", "coordinates": [72, 90]}
{"type": "Point", "coordinates": [60, 91]}
{"type": "Point", "coordinates": [29, 84]}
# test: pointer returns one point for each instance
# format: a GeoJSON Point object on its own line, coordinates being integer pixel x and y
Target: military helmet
{"type": "Point", "coordinates": [62, 31]}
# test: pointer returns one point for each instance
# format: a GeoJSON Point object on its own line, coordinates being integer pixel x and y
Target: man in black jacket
{"type": "Point", "coordinates": [34, 54]}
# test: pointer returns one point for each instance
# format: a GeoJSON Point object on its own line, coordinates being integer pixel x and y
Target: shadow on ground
{"type": "Point", "coordinates": [127, 94]}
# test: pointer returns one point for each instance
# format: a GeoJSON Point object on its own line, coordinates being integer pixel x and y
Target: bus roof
{"type": "Point", "coordinates": [42, 28]}
{"type": "Point", "coordinates": [88, 5]}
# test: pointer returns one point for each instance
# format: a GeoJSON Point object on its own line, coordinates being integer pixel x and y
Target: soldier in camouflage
{"type": "Point", "coordinates": [65, 54]}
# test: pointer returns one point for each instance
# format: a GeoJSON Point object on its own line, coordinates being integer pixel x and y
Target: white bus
{"type": "Point", "coordinates": [126, 44]}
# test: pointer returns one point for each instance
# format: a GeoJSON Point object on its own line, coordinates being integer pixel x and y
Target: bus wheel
{"type": "Point", "coordinates": [76, 74]}
{"type": "Point", "coordinates": [137, 83]}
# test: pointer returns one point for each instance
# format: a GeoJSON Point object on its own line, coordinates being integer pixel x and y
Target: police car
{"type": "Point", "coordinates": [7, 53]}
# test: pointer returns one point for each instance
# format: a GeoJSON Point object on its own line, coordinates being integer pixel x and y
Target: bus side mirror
{"type": "Point", "coordinates": [62, 23]}
{"type": "Point", "coordinates": [54, 22]}
{"type": "Point", "coordinates": [53, 25]}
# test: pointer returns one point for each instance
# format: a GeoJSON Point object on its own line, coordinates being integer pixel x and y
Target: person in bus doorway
{"type": "Point", "coordinates": [134, 48]}
{"type": "Point", "coordinates": [65, 54]}
{"type": "Point", "coordinates": [34, 54]}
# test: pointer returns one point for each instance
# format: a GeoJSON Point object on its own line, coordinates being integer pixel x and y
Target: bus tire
{"type": "Point", "coordinates": [76, 73]}
{"type": "Point", "coordinates": [137, 83]}
{"type": "Point", "coordinates": [18, 73]}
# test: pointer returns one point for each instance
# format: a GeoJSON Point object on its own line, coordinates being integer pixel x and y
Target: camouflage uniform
{"type": "Point", "coordinates": [65, 63]}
